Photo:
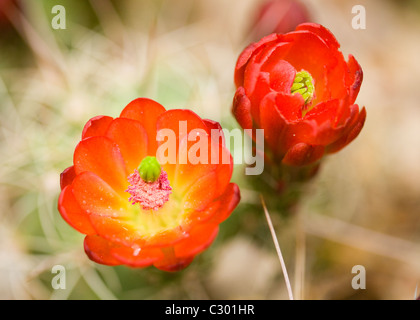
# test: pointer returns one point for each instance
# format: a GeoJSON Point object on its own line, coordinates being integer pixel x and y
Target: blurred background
{"type": "Point", "coordinates": [362, 209]}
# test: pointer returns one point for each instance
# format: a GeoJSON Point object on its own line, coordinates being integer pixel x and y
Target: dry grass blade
{"type": "Point", "coordinates": [276, 244]}
{"type": "Point", "coordinates": [300, 258]}
{"type": "Point", "coordinates": [364, 239]}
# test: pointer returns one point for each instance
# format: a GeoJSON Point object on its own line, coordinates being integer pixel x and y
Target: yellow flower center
{"type": "Point", "coordinates": [304, 85]}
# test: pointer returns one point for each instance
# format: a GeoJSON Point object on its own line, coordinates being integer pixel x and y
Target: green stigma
{"type": "Point", "coordinates": [303, 84]}
{"type": "Point", "coordinates": [149, 169]}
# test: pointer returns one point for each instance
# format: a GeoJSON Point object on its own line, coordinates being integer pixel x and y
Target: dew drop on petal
{"type": "Point", "coordinates": [136, 251]}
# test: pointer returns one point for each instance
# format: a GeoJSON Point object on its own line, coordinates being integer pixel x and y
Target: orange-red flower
{"type": "Point", "coordinates": [163, 221]}
{"type": "Point", "coordinates": [301, 91]}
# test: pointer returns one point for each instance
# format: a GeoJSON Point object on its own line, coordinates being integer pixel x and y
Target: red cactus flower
{"type": "Point", "coordinates": [137, 210]}
{"type": "Point", "coordinates": [301, 91]}
{"type": "Point", "coordinates": [7, 6]}
{"type": "Point", "coordinates": [279, 16]}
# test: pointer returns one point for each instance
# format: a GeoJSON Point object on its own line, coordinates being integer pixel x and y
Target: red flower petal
{"type": "Point", "coordinates": [132, 140]}
{"type": "Point", "coordinates": [242, 109]}
{"type": "Point", "coordinates": [213, 158]}
{"type": "Point", "coordinates": [72, 213]}
{"type": "Point", "coordinates": [95, 196]}
{"type": "Point", "coordinates": [282, 74]}
{"type": "Point", "coordinates": [137, 257]}
{"type": "Point", "coordinates": [212, 125]}
{"type": "Point", "coordinates": [101, 156]}
{"type": "Point", "coordinates": [303, 154]}
{"type": "Point", "coordinates": [96, 126]}
{"type": "Point", "coordinates": [324, 111]}
{"type": "Point", "coordinates": [176, 121]}
{"type": "Point", "coordinates": [353, 132]}
{"type": "Point", "coordinates": [165, 238]}
{"type": "Point", "coordinates": [201, 236]}
{"type": "Point", "coordinates": [323, 33]}
{"type": "Point", "coordinates": [262, 89]}
{"type": "Point", "coordinates": [247, 54]}
{"type": "Point", "coordinates": [182, 254]}
{"type": "Point", "coordinates": [204, 182]}
{"type": "Point", "coordinates": [290, 106]}
{"type": "Point", "coordinates": [98, 250]}
{"type": "Point", "coordinates": [226, 204]}
{"type": "Point", "coordinates": [201, 193]}
{"type": "Point", "coordinates": [170, 263]}
{"type": "Point", "coordinates": [147, 112]}
{"type": "Point", "coordinates": [260, 62]}
{"type": "Point", "coordinates": [279, 134]}
{"type": "Point", "coordinates": [216, 131]}
{"type": "Point", "coordinates": [114, 229]}
{"type": "Point", "coordinates": [126, 234]}
{"type": "Point", "coordinates": [67, 177]}
{"type": "Point", "coordinates": [171, 119]}
{"type": "Point", "coordinates": [355, 78]}
{"type": "Point", "coordinates": [269, 67]}
{"type": "Point", "coordinates": [326, 119]}
{"type": "Point", "coordinates": [273, 123]}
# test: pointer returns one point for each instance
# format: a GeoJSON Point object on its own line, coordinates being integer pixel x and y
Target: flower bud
{"type": "Point", "coordinates": [279, 16]}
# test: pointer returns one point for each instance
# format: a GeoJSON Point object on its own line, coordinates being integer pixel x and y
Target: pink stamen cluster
{"type": "Point", "coordinates": [150, 195]}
